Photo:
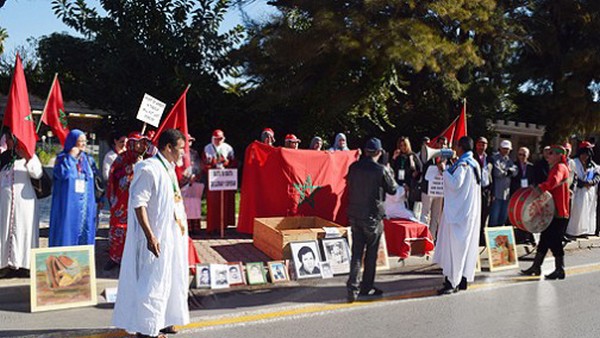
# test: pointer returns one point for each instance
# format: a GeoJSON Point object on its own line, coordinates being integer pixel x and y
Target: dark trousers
{"type": "Point", "coordinates": [365, 235]}
{"type": "Point", "coordinates": [552, 237]}
{"type": "Point", "coordinates": [486, 201]}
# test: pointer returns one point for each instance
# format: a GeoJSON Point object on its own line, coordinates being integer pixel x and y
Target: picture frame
{"type": "Point", "coordinates": [307, 259]}
{"type": "Point", "coordinates": [235, 274]}
{"type": "Point", "coordinates": [62, 277]}
{"type": "Point", "coordinates": [337, 253]}
{"type": "Point", "coordinates": [326, 270]}
{"type": "Point", "coordinates": [219, 274]}
{"type": "Point", "coordinates": [278, 272]}
{"type": "Point", "coordinates": [382, 254]}
{"type": "Point", "coordinates": [203, 276]}
{"type": "Point", "coordinates": [501, 248]}
{"type": "Point", "coordinates": [256, 273]}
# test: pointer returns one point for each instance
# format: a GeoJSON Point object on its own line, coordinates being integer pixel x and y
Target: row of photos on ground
{"type": "Point", "coordinates": [307, 262]}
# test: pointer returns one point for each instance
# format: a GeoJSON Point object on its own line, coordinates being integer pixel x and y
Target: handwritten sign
{"type": "Point", "coordinates": [151, 110]}
{"type": "Point", "coordinates": [435, 186]}
{"type": "Point", "coordinates": [222, 179]}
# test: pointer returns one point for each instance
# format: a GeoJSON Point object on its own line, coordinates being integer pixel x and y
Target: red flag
{"type": "Point", "coordinates": [54, 112]}
{"type": "Point", "coordinates": [284, 182]}
{"type": "Point", "coordinates": [456, 129]}
{"type": "Point", "coordinates": [17, 115]}
{"type": "Point", "coordinates": [177, 119]}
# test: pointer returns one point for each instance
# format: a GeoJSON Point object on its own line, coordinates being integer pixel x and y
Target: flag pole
{"type": "Point", "coordinates": [46, 105]}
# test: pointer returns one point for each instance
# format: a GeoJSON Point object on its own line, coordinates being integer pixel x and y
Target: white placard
{"type": "Point", "coordinates": [222, 179]}
{"type": "Point", "coordinates": [332, 232]}
{"type": "Point", "coordinates": [151, 110]}
{"type": "Point", "coordinates": [435, 186]}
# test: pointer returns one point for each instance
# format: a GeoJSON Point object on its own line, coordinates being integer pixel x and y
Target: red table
{"type": "Point", "coordinates": [401, 235]}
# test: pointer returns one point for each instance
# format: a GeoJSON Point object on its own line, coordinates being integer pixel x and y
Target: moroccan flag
{"type": "Point", "coordinates": [177, 119]}
{"type": "Point", "coordinates": [456, 129]}
{"type": "Point", "coordinates": [54, 112]}
{"type": "Point", "coordinates": [279, 182]}
{"type": "Point", "coordinates": [17, 115]}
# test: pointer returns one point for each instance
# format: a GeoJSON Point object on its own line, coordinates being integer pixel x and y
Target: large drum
{"type": "Point", "coordinates": [531, 209]}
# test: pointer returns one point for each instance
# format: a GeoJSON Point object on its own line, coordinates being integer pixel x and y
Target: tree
{"type": "Point", "coordinates": [137, 47]}
{"type": "Point", "coordinates": [366, 67]}
{"type": "Point", "coordinates": [557, 67]}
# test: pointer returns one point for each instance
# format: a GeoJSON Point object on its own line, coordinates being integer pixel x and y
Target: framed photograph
{"type": "Point", "coordinates": [337, 254]}
{"type": "Point", "coordinates": [220, 276]}
{"type": "Point", "coordinates": [306, 258]}
{"type": "Point", "coordinates": [62, 277]}
{"type": "Point", "coordinates": [382, 254]}
{"type": "Point", "coordinates": [256, 273]}
{"type": "Point", "coordinates": [235, 274]}
{"type": "Point", "coordinates": [502, 248]}
{"type": "Point", "coordinates": [326, 270]}
{"type": "Point", "coordinates": [202, 276]}
{"type": "Point", "coordinates": [278, 271]}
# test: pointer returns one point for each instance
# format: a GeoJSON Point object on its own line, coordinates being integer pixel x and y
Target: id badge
{"type": "Point", "coordinates": [5, 179]}
{"type": "Point", "coordinates": [401, 174]}
{"type": "Point", "coordinates": [524, 183]}
{"type": "Point", "coordinates": [180, 211]}
{"type": "Point", "coordinates": [80, 186]}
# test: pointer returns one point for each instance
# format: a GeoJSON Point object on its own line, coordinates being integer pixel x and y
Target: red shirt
{"type": "Point", "coordinates": [557, 185]}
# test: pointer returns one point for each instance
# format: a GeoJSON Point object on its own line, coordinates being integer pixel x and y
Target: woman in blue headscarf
{"type": "Point", "coordinates": [340, 143]}
{"type": "Point", "coordinates": [73, 212]}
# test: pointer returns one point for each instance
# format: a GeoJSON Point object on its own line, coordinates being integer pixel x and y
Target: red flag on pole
{"type": "Point", "coordinates": [17, 115]}
{"type": "Point", "coordinates": [177, 119]}
{"type": "Point", "coordinates": [456, 129]}
{"type": "Point", "coordinates": [54, 112]}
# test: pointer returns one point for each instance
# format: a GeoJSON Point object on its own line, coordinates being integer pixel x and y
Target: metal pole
{"type": "Point", "coordinates": [222, 213]}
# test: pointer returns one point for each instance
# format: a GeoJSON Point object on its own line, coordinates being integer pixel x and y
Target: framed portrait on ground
{"type": "Point", "coordinates": [235, 274]}
{"type": "Point", "coordinates": [256, 273]}
{"type": "Point", "coordinates": [220, 276]}
{"type": "Point", "coordinates": [337, 254]}
{"type": "Point", "coordinates": [62, 277]}
{"type": "Point", "coordinates": [278, 272]}
{"type": "Point", "coordinates": [326, 271]}
{"type": "Point", "coordinates": [306, 259]}
{"type": "Point", "coordinates": [202, 276]}
{"type": "Point", "coordinates": [382, 253]}
{"type": "Point", "coordinates": [502, 248]}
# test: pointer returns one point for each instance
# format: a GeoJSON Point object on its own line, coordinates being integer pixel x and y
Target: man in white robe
{"type": "Point", "coordinates": [583, 207]}
{"type": "Point", "coordinates": [153, 280]}
{"type": "Point", "coordinates": [458, 236]}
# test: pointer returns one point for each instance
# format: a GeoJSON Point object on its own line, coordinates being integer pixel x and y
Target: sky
{"type": "Point", "coordinates": [34, 18]}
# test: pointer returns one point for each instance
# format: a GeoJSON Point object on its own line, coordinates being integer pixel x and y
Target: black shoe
{"type": "Point", "coordinates": [169, 330]}
{"type": "Point", "coordinates": [463, 284]}
{"type": "Point", "coordinates": [110, 265]}
{"type": "Point", "coordinates": [374, 292]}
{"type": "Point", "coordinates": [532, 271]}
{"type": "Point", "coordinates": [557, 274]}
{"type": "Point", "coordinates": [448, 288]}
{"type": "Point", "coordinates": [352, 296]}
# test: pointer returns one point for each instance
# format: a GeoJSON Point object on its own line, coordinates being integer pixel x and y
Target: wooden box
{"type": "Point", "coordinates": [272, 235]}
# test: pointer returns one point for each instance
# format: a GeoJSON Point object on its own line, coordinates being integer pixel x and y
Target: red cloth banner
{"type": "Point", "coordinates": [177, 119]}
{"type": "Point", "coordinates": [17, 115]}
{"type": "Point", "coordinates": [54, 113]}
{"type": "Point", "coordinates": [280, 182]}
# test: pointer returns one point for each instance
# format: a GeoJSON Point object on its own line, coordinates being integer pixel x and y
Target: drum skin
{"type": "Point", "coordinates": [531, 209]}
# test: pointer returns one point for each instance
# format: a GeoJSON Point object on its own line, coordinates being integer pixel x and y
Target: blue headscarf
{"type": "Point", "coordinates": [84, 161]}
{"type": "Point", "coordinates": [467, 158]}
{"type": "Point", "coordinates": [71, 140]}
{"type": "Point", "coordinates": [337, 139]}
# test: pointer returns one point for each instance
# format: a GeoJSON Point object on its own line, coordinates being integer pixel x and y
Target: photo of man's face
{"type": "Point", "coordinates": [234, 273]}
{"type": "Point", "coordinates": [308, 261]}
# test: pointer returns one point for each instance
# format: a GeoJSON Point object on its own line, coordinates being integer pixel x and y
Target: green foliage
{"type": "Point", "coordinates": [47, 153]}
{"type": "Point", "coordinates": [3, 36]}
{"type": "Point", "coordinates": [155, 47]}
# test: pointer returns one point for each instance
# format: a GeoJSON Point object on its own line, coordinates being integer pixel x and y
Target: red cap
{"type": "Point", "coordinates": [268, 130]}
{"type": "Point", "coordinates": [218, 133]}
{"type": "Point", "coordinates": [136, 136]}
{"type": "Point", "coordinates": [586, 144]}
{"type": "Point", "coordinates": [292, 138]}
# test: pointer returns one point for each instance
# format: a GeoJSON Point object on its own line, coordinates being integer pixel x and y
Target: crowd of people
{"type": "Point", "coordinates": [145, 188]}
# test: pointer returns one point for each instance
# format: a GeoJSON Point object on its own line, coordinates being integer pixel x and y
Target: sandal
{"type": "Point", "coordinates": [169, 329]}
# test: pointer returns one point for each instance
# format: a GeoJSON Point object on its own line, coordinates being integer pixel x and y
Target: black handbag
{"type": "Point", "coordinates": [42, 186]}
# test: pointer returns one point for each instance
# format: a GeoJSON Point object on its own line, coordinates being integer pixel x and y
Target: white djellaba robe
{"type": "Point", "coordinates": [458, 235]}
{"type": "Point", "coordinates": [582, 220]}
{"type": "Point", "coordinates": [19, 235]}
{"type": "Point", "coordinates": [152, 292]}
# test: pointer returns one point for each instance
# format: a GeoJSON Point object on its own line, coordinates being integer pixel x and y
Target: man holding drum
{"type": "Point", "coordinates": [557, 185]}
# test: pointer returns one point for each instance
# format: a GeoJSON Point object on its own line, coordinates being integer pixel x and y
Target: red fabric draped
{"type": "Point", "coordinates": [286, 182]}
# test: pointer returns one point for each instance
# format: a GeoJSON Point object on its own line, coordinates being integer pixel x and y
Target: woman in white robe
{"type": "Point", "coordinates": [19, 217]}
{"type": "Point", "coordinates": [583, 208]}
